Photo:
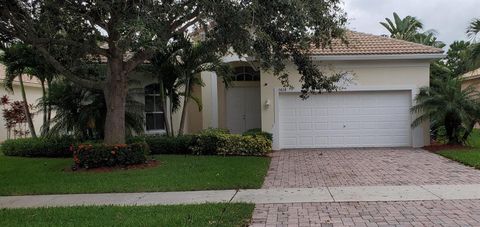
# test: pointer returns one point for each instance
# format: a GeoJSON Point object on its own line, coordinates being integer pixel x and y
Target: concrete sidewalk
{"type": "Point", "coordinates": [258, 196]}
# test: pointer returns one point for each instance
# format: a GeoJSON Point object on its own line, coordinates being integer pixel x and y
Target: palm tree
{"type": "Point", "coordinates": [447, 105]}
{"type": "Point", "coordinates": [18, 58]}
{"type": "Point", "coordinates": [178, 69]}
{"type": "Point", "coordinates": [190, 62]}
{"type": "Point", "coordinates": [404, 29]}
{"type": "Point", "coordinates": [474, 28]}
{"type": "Point", "coordinates": [82, 112]}
{"type": "Point", "coordinates": [473, 31]}
{"type": "Point", "coordinates": [428, 38]}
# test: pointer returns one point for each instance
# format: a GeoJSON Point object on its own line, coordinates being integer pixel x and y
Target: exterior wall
{"type": "Point", "coordinates": [142, 80]}
{"type": "Point", "coordinates": [473, 82]}
{"type": "Point", "coordinates": [374, 74]}
{"type": "Point", "coordinates": [34, 93]}
{"type": "Point", "coordinates": [194, 122]}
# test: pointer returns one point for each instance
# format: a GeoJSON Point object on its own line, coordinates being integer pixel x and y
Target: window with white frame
{"type": "Point", "coordinates": [154, 118]}
{"type": "Point", "coordinates": [245, 73]}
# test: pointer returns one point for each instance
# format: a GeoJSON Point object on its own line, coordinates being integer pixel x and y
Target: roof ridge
{"type": "Point", "coordinates": [396, 40]}
{"type": "Point", "coordinates": [361, 43]}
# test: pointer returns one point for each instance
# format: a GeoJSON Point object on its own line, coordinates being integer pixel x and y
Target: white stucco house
{"type": "Point", "coordinates": [373, 110]}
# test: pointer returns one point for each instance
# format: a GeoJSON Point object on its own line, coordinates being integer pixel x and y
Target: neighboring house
{"type": "Point", "coordinates": [371, 111]}
{"type": "Point", "coordinates": [33, 91]}
{"type": "Point", "coordinates": [471, 78]}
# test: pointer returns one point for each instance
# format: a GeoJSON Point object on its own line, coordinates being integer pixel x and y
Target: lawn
{"type": "Point", "coordinates": [178, 215]}
{"type": "Point", "coordinates": [22, 176]}
{"type": "Point", "coordinates": [469, 157]}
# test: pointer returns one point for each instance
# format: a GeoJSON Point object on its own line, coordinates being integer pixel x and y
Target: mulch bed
{"type": "Point", "coordinates": [149, 164]}
{"type": "Point", "coordinates": [437, 147]}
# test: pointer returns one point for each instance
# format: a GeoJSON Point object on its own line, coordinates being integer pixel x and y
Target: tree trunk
{"type": "Point", "coordinates": [184, 108]}
{"type": "Point", "coordinates": [115, 93]}
{"type": "Point", "coordinates": [170, 115]}
{"type": "Point", "coordinates": [468, 131]}
{"type": "Point", "coordinates": [165, 111]}
{"type": "Point", "coordinates": [451, 126]}
{"type": "Point", "coordinates": [45, 125]}
{"type": "Point", "coordinates": [26, 109]}
{"type": "Point", "coordinates": [49, 112]}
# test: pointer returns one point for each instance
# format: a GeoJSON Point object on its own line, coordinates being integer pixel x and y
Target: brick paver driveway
{"type": "Point", "coordinates": [367, 167]}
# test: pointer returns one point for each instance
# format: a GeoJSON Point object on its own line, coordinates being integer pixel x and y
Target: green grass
{"type": "Point", "coordinates": [470, 157]}
{"type": "Point", "coordinates": [467, 157]}
{"type": "Point", "coordinates": [178, 215]}
{"type": "Point", "coordinates": [21, 176]}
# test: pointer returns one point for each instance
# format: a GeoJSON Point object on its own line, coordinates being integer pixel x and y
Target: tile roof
{"type": "Point", "coordinates": [26, 79]}
{"type": "Point", "coordinates": [367, 44]}
{"type": "Point", "coordinates": [474, 74]}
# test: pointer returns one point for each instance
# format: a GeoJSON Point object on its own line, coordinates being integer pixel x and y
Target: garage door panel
{"type": "Point", "coordinates": [346, 119]}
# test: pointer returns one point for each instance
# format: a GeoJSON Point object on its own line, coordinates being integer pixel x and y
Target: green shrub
{"type": "Point", "coordinates": [243, 145]}
{"type": "Point", "coordinates": [218, 142]}
{"type": "Point", "coordinates": [170, 145]}
{"type": "Point", "coordinates": [207, 141]}
{"type": "Point", "coordinates": [258, 132]}
{"type": "Point", "coordinates": [39, 147]}
{"type": "Point", "coordinates": [102, 155]}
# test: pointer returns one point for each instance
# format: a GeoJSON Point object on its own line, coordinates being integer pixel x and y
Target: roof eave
{"type": "Point", "coordinates": [377, 57]}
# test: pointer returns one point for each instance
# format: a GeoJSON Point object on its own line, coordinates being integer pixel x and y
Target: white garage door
{"type": "Point", "coordinates": [345, 119]}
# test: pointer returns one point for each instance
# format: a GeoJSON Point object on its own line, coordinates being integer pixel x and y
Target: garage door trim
{"type": "Point", "coordinates": [416, 133]}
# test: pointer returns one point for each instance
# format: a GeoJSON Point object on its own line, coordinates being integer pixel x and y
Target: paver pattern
{"type": "Point", "coordinates": [367, 167]}
{"type": "Point", "coordinates": [364, 167]}
{"type": "Point", "coordinates": [412, 213]}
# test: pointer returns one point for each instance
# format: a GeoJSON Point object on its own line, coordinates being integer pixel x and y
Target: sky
{"type": "Point", "coordinates": [450, 18]}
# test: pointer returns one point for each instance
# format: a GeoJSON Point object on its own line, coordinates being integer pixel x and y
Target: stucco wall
{"type": "Point", "coordinates": [364, 73]}
{"type": "Point", "coordinates": [34, 93]}
{"type": "Point", "coordinates": [474, 82]}
{"type": "Point", "coordinates": [140, 81]}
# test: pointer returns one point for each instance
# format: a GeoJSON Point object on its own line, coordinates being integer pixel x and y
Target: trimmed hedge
{"type": "Point", "coordinates": [258, 132]}
{"type": "Point", "coordinates": [102, 155]}
{"type": "Point", "coordinates": [39, 147]}
{"type": "Point", "coordinates": [218, 142]}
{"type": "Point", "coordinates": [170, 145]}
{"type": "Point", "coordinates": [243, 145]}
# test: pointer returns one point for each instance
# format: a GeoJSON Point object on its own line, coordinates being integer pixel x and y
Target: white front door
{"type": "Point", "coordinates": [243, 109]}
{"type": "Point", "coordinates": [345, 119]}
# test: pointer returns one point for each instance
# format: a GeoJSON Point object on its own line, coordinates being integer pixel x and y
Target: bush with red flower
{"type": "Point", "coordinates": [15, 118]}
{"type": "Point", "coordinates": [102, 155]}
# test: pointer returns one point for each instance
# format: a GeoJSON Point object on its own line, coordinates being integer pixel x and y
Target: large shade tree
{"type": "Point", "coordinates": [124, 34]}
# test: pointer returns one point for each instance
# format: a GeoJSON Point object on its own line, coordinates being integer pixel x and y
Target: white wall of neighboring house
{"type": "Point", "coordinates": [34, 93]}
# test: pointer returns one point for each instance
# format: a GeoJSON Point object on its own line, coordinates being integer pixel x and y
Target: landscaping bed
{"type": "Point", "coordinates": [441, 147]}
{"type": "Point", "coordinates": [172, 215]}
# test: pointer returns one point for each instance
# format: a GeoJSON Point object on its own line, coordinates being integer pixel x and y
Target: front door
{"type": "Point", "coordinates": [243, 109]}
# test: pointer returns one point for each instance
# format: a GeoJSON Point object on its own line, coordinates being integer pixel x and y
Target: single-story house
{"type": "Point", "coordinates": [372, 109]}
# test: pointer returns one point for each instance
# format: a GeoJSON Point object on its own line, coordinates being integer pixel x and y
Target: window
{"type": "Point", "coordinates": [244, 73]}
{"type": "Point", "coordinates": [154, 120]}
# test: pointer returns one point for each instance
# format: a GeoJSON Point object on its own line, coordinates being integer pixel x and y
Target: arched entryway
{"type": "Point", "coordinates": [243, 103]}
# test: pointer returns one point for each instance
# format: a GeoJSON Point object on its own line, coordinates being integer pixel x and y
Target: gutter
{"type": "Point", "coordinates": [377, 57]}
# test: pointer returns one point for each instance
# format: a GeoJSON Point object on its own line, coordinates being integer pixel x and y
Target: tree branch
{"type": "Point", "coordinates": [92, 84]}
{"type": "Point", "coordinates": [139, 58]}
{"type": "Point", "coordinates": [174, 26]}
